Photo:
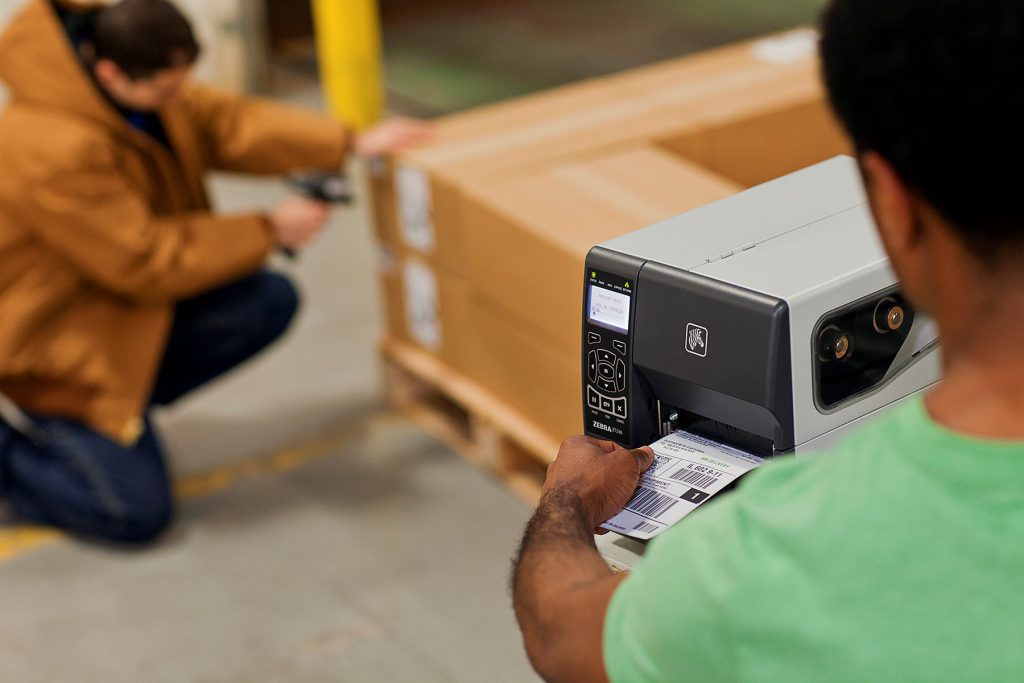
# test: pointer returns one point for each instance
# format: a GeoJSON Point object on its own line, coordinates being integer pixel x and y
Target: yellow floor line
{"type": "Point", "coordinates": [20, 539]}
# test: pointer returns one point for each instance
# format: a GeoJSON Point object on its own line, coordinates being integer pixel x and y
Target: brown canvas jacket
{"type": "Point", "coordinates": [103, 229]}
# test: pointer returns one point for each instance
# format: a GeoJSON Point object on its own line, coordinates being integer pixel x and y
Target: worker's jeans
{"type": "Point", "coordinates": [82, 481]}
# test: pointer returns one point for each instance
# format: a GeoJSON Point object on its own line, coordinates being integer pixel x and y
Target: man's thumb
{"type": "Point", "coordinates": [644, 457]}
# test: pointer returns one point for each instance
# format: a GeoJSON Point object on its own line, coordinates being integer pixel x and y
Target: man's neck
{"type": "Point", "coordinates": [982, 393]}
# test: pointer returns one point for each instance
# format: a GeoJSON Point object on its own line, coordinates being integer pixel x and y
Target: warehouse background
{"type": "Point", "coordinates": [323, 536]}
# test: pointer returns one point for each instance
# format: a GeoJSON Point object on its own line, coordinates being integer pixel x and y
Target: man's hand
{"type": "Point", "coordinates": [602, 474]}
{"type": "Point", "coordinates": [392, 136]}
{"type": "Point", "coordinates": [561, 586]}
{"type": "Point", "coordinates": [296, 221]}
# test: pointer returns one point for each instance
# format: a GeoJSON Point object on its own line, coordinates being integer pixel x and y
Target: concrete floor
{"type": "Point", "coordinates": [370, 554]}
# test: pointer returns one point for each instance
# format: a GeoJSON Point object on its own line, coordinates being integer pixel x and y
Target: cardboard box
{"type": "Point", "coordinates": [518, 137]}
{"type": "Point", "coordinates": [486, 230]}
{"type": "Point", "coordinates": [390, 287]}
{"type": "Point", "coordinates": [383, 207]}
{"type": "Point", "coordinates": [749, 112]}
{"type": "Point", "coordinates": [521, 368]}
{"type": "Point", "coordinates": [436, 311]}
{"type": "Point", "coordinates": [526, 240]}
{"type": "Point", "coordinates": [772, 142]}
{"type": "Point", "coordinates": [416, 204]}
{"type": "Point", "coordinates": [761, 107]}
{"type": "Point", "coordinates": [759, 132]}
{"type": "Point", "coordinates": [430, 182]}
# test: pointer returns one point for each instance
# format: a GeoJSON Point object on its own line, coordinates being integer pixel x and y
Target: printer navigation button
{"type": "Point", "coordinates": [619, 346]}
{"type": "Point", "coordinates": [620, 407]}
{"type": "Point", "coordinates": [605, 356]}
{"type": "Point", "coordinates": [593, 398]}
{"type": "Point", "coordinates": [606, 370]}
{"type": "Point", "coordinates": [592, 366]}
{"type": "Point", "coordinates": [606, 384]}
{"type": "Point", "coordinates": [593, 338]}
{"type": "Point", "coordinates": [620, 375]}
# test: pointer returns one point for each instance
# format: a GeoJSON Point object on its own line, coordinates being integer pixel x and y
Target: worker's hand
{"type": "Point", "coordinates": [392, 136]}
{"type": "Point", "coordinates": [602, 474]}
{"type": "Point", "coordinates": [296, 221]}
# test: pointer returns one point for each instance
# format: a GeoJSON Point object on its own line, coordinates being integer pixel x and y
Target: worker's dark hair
{"type": "Point", "coordinates": [143, 37]}
{"type": "Point", "coordinates": [935, 87]}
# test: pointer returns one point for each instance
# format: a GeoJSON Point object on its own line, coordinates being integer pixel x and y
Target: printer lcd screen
{"type": "Point", "coordinates": [609, 309]}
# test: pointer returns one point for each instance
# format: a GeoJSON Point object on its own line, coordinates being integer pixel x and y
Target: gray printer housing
{"type": "Point", "coordinates": [757, 272]}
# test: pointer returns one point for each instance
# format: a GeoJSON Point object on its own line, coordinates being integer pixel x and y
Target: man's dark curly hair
{"type": "Point", "coordinates": [143, 37]}
{"type": "Point", "coordinates": [937, 88]}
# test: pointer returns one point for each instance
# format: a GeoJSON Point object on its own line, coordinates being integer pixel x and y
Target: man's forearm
{"type": "Point", "coordinates": [561, 586]}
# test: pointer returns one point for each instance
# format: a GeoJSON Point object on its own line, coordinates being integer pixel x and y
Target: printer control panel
{"type": "Point", "coordinates": [608, 307]}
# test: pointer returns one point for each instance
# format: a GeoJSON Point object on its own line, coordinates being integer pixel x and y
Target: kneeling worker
{"type": "Point", "coordinates": [895, 557]}
{"type": "Point", "coordinates": [119, 289]}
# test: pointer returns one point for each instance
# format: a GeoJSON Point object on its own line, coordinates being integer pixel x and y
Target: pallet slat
{"type": "Point", "coordinates": [468, 417]}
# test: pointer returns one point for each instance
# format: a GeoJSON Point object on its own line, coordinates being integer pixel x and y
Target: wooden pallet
{"type": "Point", "coordinates": [468, 417]}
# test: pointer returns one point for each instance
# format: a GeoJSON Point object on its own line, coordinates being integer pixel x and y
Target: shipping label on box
{"type": "Point", "coordinates": [422, 316]}
{"type": "Point", "coordinates": [415, 209]}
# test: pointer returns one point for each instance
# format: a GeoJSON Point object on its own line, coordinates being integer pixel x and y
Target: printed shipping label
{"type": "Point", "coordinates": [415, 209]}
{"type": "Point", "coordinates": [687, 470]}
{"type": "Point", "coordinates": [421, 308]}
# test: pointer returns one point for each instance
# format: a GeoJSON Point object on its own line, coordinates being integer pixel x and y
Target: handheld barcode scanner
{"type": "Point", "coordinates": [331, 188]}
{"type": "Point", "coordinates": [770, 321]}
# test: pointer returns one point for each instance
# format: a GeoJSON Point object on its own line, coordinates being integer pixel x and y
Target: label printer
{"type": "Point", "coordinates": [769, 320]}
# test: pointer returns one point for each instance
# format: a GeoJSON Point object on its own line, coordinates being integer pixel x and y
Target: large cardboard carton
{"type": "Point", "coordinates": [431, 182]}
{"type": "Point", "coordinates": [526, 240]}
{"type": "Point", "coordinates": [436, 311]}
{"type": "Point", "coordinates": [517, 364]}
{"type": "Point", "coordinates": [749, 112]}
{"type": "Point", "coordinates": [417, 198]}
{"type": "Point", "coordinates": [379, 176]}
{"type": "Point", "coordinates": [761, 106]}
{"type": "Point", "coordinates": [484, 232]}
{"type": "Point", "coordinates": [760, 131]}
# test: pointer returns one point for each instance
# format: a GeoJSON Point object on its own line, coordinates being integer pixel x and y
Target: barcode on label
{"type": "Point", "coordinates": [650, 503]}
{"type": "Point", "coordinates": [645, 527]}
{"type": "Point", "coordinates": [696, 479]}
{"type": "Point", "coordinates": [661, 462]}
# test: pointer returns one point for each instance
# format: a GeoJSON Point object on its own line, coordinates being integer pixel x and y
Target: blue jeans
{"type": "Point", "coordinates": [89, 485]}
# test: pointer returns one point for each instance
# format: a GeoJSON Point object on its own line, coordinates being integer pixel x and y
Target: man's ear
{"type": "Point", "coordinates": [892, 205]}
{"type": "Point", "coordinates": [109, 74]}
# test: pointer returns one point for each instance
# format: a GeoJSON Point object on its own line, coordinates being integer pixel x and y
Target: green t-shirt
{"type": "Point", "coordinates": [898, 557]}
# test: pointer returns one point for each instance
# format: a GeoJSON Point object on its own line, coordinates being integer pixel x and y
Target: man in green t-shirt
{"type": "Point", "coordinates": [895, 557]}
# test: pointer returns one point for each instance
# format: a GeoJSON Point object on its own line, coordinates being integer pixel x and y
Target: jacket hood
{"type": "Point", "coordinates": [40, 67]}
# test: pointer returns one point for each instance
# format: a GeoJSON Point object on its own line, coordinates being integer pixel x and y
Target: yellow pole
{"type": "Point", "coordinates": [348, 47]}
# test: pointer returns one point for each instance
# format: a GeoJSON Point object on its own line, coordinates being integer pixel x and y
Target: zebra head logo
{"type": "Point", "coordinates": [696, 340]}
